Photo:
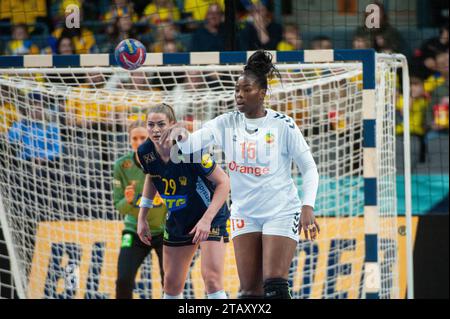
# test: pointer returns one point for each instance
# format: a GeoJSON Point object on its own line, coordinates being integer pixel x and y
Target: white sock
{"type": "Point", "coordinates": [218, 295]}
{"type": "Point", "coordinates": [166, 296]}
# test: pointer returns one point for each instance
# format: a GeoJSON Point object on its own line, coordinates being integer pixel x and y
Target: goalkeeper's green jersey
{"type": "Point", "coordinates": [126, 172]}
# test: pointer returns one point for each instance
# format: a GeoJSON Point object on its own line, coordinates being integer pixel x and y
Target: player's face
{"type": "Point", "coordinates": [138, 136]}
{"type": "Point", "coordinates": [157, 123]}
{"type": "Point", "coordinates": [248, 95]}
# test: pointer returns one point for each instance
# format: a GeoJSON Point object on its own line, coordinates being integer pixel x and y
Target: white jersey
{"type": "Point", "coordinates": [260, 163]}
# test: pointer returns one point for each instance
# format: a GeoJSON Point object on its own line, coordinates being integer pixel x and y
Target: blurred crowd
{"type": "Point", "coordinates": [39, 26]}
{"type": "Point", "coordinates": [198, 25]}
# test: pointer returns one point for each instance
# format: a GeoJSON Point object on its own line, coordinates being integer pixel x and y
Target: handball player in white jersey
{"type": "Point", "coordinates": [266, 212]}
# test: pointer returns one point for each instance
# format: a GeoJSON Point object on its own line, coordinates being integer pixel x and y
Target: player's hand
{"type": "Point", "coordinates": [176, 132]}
{"type": "Point", "coordinates": [143, 231]}
{"type": "Point", "coordinates": [201, 231]}
{"type": "Point", "coordinates": [308, 223]}
{"type": "Point", "coordinates": [130, 192]}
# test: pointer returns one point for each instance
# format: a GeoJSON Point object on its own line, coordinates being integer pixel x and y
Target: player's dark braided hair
{"type": "Point", "coordinates": [260, 67]}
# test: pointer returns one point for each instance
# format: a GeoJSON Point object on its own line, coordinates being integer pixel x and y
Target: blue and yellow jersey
{"type": "Point", "coordinates": [21, 47]}
{"type": "Point", "coordinates": [433, 82]}
{"type": "Point", "coordinates": [115, 12]}
{"type": "Point", "coordinates": [417, 115]}
{"type": "Point", "coordinates": [83, 43]}
{"type": "Point", "coordinates": [158, 15]}
{"type": "Point", "coordinates": [183, 186]}
{"type": "Point", "coordinates": [8, 115]}
{"type": "Point", "coordinates": [199, 8]}
{"type": "Point", "coordinates": [23, 11]}
{"type": "Point", "coordinates": [285, 46]}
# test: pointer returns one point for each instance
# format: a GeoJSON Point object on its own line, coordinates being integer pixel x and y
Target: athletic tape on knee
{"type": "Point", "coordinates": [277, 288]}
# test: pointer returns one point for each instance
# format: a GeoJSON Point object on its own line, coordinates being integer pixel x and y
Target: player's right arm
{"type": "Point", "coordinates": [148, 194]}
{"type": "Point", "coordinates": [210, 133]}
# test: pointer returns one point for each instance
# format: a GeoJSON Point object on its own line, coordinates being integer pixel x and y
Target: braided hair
{"type": "Point", "coordinates": [260, 67]}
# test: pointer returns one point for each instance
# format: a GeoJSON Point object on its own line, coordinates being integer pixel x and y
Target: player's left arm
{"type": "Point", "coordinates": [222, 183]}
{"type": "Point", "coordinates": [300, 152]}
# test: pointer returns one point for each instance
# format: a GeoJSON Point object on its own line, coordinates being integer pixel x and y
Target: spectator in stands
{"type": "Point", "coordinates": [260, 31]}
{"type": "Point", "coordinates": [37, 138]}
{"type": "Point", "coordinates": [361, 41]}
{"type": "Point", "coordinates": [171, 47]}
{"type": "Point", "coordinates": [20, 43]}
{"type": "Point", "coordinates": [419, 104]}
{"type": "Point", "coordinates": [118, 9]}
{"type": "Point", "coordinates": [36, 143]}
{"type": "Point", "coordinates": [166, 81]}
{"type": "Point", "coordinates": [120, 29]}
{"type": "Point", "coordinates": [58, 10]}
{"type": "Point", "coordinates": [65, 46]}
{"type": "Point", "coordinates": [292, 39]}
{"type": "Point", "coordinates": [28, 12]}
{"type": "Point", "coordinates": [124, 27]}
{"type": "Point", "coordinates": [8, 112]}
{"type": "Point", "coordinates": [440, 69]}
{"type": "Point", "coordinates": [383, 39]}
{"type": "Point", "coordinates": [244, 8]}
{"type": "Point", "coordinates": [383, 45]}
{"type": "Point", "coordinates": [438, 111]}
{"type": "Point", "coordinates": [167, 36]}
{"type": "Point", "coordinates": [83, 38]}
{"type": "Point", "coordinates": [425, 56]}
{"type": "Point", "coordinates": [321, 42]}
{"type": "Point", "coordinates": [8, 115]}
{"type": "Point", "coordinates": [211, 36]}
{"type": "Point", "coordinates": [440, 43]}
{"type": "Point", "coordinates": [161, 11]}
{"type": "Point", "coordinates": [198, 9]}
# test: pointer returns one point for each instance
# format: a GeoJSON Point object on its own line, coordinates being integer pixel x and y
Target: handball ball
{"type": "Point", "coordinates": [130, 54]}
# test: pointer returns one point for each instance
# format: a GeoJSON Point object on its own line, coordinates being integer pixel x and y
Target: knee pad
{"type": "Point", "coordinates": [276, 288]}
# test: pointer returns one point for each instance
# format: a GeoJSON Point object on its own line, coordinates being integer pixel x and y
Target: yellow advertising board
{"type": "Point", "coordinates": [78, 259]}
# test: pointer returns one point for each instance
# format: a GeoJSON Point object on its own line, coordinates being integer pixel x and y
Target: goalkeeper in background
{"type": "Point", "coordinates": [128, 185]}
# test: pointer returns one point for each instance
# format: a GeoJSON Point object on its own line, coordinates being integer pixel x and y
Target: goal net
{"type": "Point", "coordinates": [62, 128]}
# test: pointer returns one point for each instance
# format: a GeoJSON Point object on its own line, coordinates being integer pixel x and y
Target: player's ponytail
{"type": "Point", "coordinates": [260, 66]}
{"type": "Point", "coordinates": [164, 109]}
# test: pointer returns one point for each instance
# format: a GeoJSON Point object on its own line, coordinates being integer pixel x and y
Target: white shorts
{"type": "Point", "coordinates": [285, 225]}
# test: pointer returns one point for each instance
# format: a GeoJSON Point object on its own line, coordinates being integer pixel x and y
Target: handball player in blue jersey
{"type": "Point", "coordinates": [194, 192]}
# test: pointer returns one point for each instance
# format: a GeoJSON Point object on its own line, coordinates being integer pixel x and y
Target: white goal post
{"type": "Point", "coordinates": [63, 124]}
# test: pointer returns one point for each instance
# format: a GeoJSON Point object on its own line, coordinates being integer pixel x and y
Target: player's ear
{"type": "Point", "coordinates": [262, 94]}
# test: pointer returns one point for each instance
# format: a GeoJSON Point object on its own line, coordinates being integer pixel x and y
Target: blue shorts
{"type": "Point", "coordinates": [217, 233]}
